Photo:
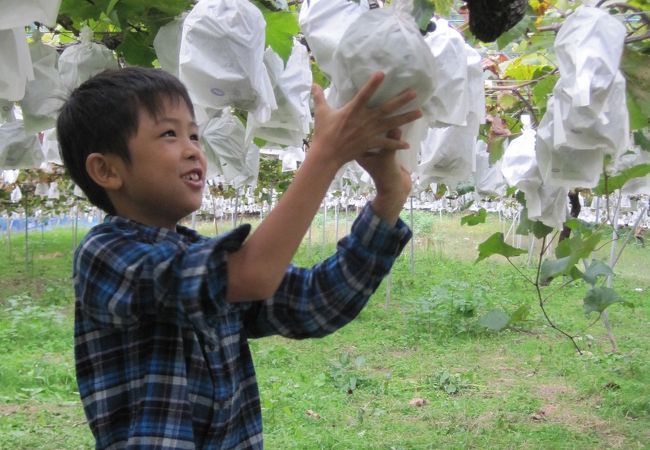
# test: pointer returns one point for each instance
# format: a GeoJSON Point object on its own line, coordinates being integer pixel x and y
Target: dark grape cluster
{"type": "Point", "coordinates": [489, 19]}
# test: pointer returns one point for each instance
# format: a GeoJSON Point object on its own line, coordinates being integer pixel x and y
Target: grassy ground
{"type": "Point", "coordinates": [414, 371]}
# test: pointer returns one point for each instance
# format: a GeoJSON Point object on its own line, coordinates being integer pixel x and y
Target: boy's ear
{"type": "Point", "coordinates": [101, 168]}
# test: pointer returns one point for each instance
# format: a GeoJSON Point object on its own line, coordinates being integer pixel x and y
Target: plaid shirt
{"type": "Point", "coordinates": [162, 359]}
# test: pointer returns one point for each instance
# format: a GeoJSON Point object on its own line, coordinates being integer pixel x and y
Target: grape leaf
{"type": "Point", "coordinates": [474, 218]}
{"type": "Point", "coordinates": [515, 32]}
{"type": "Point", "coordinates": [281, 26]}
{"type": "Point", "coordinates": [600, 298]}
{"type": "Point", "coordinates": [495, 320]}
{"type": "Point", "coordinates": [636, 68]}
{"type": "Point", "coordinates": [422, 12]}
{"type": "Point", "coordinates": [642, 140]}
{"type": "Point", "coordinates": [495, 245]}
{"type": "Point", "coordinates": [527, 226]}
{"type": "Point", "coordinates": [595, 269]}
{"type": "Point", "coordinates": [609, 184]}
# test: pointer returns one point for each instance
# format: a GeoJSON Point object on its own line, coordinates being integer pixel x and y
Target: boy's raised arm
{"type": "Point", "coordinates": [256, 270]}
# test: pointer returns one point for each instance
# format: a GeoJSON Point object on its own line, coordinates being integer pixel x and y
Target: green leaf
{"type": "Point", "coordinates": [642, 140]}
{"type": "Point", "coordinates": [474, 218]}
{"type": "Point", "coordinates": [637, 119]}
{"type": "Point", "coordinates": [281, 26]}
{"type": "Point", "coordinates": [137, 49]}
{"type": "Point", "coordinates": [543, 90]}
{"type": "Point", "coordinates": [422, 12]}
{"type": "Point", "coordinates": [600, 298]}
{"type": "Point", "coordinates": [495, 245]}
{"type": "Point", "coordinates": [507, 101]}
{"type": "Point", "coordinates": [520, 314]}
{"type": "Point", "coordinates": [609, 184]}
{"type": "Point", "coordinates": [515, 32]}
{"type": "Point", "coordinates": [552, 268]}
{"type": "Point", "coordinates": [636, 68]}
{"type": "Point", "coordinates": [527, 226]}
{"type": "Point", "coordinates": [578, 246]}
{"type": "Point", "coordinates": [594, 270]}
{"type": "Point", "coordinates": [496, 147]}
{"type": "Point", "coordinates": [443, 7]}
{"type": "Point", "coordinates": [495, 320]}
{"type": "Point", "coordinates": [528, 67]}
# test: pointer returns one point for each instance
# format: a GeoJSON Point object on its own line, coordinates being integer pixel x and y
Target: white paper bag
{"type": "Point", "coordinates": [82, 61]}
{"type": "Point", "coordinates": [6, 111]}
{"type": "Point", "coordinates": [19, 150]}
{"type": "Point", "coordinates": [15, 64]}
{"type": "Point", "coordinates": [51, 148]}
{"type": "Point", "coordinates": [16, 195]}
{"type": "Point", "coordinates": [167, 44]}
{"type": "Point", "coordinates": [548, 205]}
{"type": "Point", "coordinates": [228, 151]}
{"type": "Point", "coordinates": [323, 23]}
{"type": "Point", "coordinates": [588, 115]}
{"type": "Point", "coordinates": [488, 179]}
{"type": "Point", "coordinates": [290, 157]}
{"type": "Point", "coordinates": [221, 57]}
{"type": "Point", "coordinates": [290, 123]}
{"type": "Point", "coordinates": [563, 165]}
{"type": "Point", "coordinates": [23, 12]}
{"type": "Point", "coordinates": [519, 162]}
{"type": "Point", "coordinates": [385, 40]}
{"type": "Point", "coordinates": [589, 46]}
{"type": "Point", "coordinates": [45, 94]}
{"type": "Point", "coordinates": [447, 154]}
{"type": "Point", "coordinates": [635, 156]}
{"type": "Point", "coordinates": [450, 100]}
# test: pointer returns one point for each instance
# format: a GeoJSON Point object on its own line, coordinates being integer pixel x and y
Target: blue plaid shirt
{"type": "Point", "coordinates": [163, 360]}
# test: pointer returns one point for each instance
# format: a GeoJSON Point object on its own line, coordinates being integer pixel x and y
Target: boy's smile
{"type": "Point", "coordinates": [165, 178]}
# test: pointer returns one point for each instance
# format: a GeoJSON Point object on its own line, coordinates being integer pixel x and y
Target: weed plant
{"type": "Point", "coordinates": [416, 370]}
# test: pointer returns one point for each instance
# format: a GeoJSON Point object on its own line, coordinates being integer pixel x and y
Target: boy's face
{"type": "Point", "coordinates": [165, 179]}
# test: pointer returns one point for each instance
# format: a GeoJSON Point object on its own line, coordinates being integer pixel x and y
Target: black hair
{"type": "Point", "coordinates": [101, 115]}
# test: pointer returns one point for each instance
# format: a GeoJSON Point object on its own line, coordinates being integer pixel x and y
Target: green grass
{"type": "Point", "coordinates": [522, 388]}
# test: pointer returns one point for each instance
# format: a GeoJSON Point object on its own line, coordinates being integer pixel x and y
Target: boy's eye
{"type": "Point", "coordinates": [169, 133]}
{"type": "Point", "coordinates": [194, 137]}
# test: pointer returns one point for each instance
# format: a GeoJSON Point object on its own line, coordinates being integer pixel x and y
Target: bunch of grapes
{"type": "Point", "coordinates": [489, 19]}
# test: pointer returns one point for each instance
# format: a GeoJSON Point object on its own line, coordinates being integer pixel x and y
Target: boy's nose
{"type": "Point", "coordinates": [192, 150]}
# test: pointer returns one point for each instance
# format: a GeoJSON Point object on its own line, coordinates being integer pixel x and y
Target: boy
{"type": "Point", "coordinates": [162, 314]}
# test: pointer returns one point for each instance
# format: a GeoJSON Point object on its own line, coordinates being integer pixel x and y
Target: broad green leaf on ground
{"type": "Point", "coordinates": [474, 218]}
{"type": "Point", "coordinates": [520, 314]}
{"type": "Point", "coordinates": [636, 68]}
{"type": "Point", "coordinates": [495, 320]}
{"type": "Point", "coordinates": [527, 226]}
{"type": "Point", "coordinates": [600, 298]}
{"type": "Point", "coordinates": [595, 269]}
{"type": "Point", "coordinates": [281, 26]}
{"type": "Point", "coordinates": [495, 245]}
{"type": "Point", "coordinates": [609, 184]}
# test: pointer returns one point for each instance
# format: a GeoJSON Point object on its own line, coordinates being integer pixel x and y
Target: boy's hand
{"type": "Point", "coordinates": [342, 135]}
{"type": "Point", "coordinates": [392, 182]}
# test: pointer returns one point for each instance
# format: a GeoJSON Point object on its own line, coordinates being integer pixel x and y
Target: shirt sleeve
{"type": "Point", "coordinates": [317, 301]}
{"type": "Point", "coordinates": [121, 280]}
